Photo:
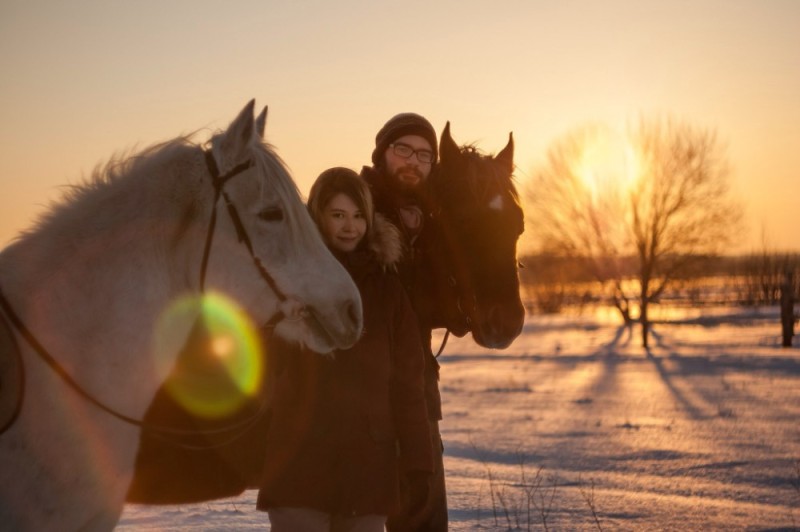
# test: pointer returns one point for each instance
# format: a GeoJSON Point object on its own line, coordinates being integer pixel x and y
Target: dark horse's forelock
{"type": "Point", "coordinates": [477, 173]}
{"type": "Point", "coordinates": [490, 180]}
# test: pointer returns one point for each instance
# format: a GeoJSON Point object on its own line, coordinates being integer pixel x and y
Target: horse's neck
{"type": "Point", "coordinates": [113, 246]}
{"type": "Point", "coordinates": [92, 282]}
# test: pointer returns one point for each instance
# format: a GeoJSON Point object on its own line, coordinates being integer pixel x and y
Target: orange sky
{"type": "Point", "coordinates": [82, 80]}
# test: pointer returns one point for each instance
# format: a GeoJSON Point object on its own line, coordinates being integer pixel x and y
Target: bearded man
{"type": "Point", "coordinates": [405, 155]}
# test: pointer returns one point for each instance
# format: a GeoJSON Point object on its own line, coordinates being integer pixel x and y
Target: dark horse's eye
{"type": "Point", "coordinates": [271, 214]}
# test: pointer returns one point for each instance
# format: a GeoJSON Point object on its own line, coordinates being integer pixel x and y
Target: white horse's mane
{"type": "Point", "coordinates": [121, 167]}
{"type": "Point", "coordinates": [131, 167]}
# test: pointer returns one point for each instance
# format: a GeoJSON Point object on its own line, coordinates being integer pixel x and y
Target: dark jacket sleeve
{"type": "Point", "coordinates": [408, 387]}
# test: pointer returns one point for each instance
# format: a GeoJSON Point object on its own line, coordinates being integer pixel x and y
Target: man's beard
{"type": "Point", "coordinates": [406, 190]}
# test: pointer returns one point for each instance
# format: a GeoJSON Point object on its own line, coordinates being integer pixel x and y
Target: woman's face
{"type": "Point", "coordinates": [343, 225]}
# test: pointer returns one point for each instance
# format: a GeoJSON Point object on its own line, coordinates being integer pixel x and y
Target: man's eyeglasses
{"type": "Point", "coordinates": [405, 151]}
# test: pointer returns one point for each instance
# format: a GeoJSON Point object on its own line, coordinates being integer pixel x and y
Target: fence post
{"type": "Point", "coordinates": [787, 309]}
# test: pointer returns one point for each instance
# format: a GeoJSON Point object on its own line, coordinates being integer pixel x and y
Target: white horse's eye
{"type": "Point", "coordinates": [271, 214]}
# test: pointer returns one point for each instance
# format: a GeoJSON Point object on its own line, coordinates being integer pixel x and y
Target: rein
{"type": "Point", "coordinates": [444, 343]}
{"type": "Point", "coordinates": [460, 291]}
{"type": "Point", "coordinates": [218, 181]}
{"type": "Point", "coordinates": [30, 338]}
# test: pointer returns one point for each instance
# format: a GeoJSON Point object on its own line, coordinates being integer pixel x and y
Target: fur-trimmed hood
{"type": "Point", "coordinates": [385, 242]}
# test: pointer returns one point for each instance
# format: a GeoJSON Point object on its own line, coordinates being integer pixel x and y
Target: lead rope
{"type": "Point", "coordinates": [67, 378]}
{"type": "Point", "coordinates": [20, 372]}
{"type": "Point", "coordinates": [444, 342]}
{"type": "Point", "coordinates": [55, 366]}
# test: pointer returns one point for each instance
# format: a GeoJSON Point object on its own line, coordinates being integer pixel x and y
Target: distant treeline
{"type": "Point", "coordinates": [552, 281]}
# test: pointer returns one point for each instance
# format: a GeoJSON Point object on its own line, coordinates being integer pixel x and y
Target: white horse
{"type": "Point", "coordinates": [92, 282]}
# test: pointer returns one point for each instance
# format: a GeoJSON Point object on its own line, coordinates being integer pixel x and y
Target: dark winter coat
{"type": "Point", "coordinates": [414, 269]}
{"type": "Point", "coordinates": [344, 428]}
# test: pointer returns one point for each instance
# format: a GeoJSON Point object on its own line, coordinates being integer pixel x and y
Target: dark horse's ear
{"type": "Point", "coordinates": [506, 156]}
{"type": "Point", "coordinates": [448, 149]}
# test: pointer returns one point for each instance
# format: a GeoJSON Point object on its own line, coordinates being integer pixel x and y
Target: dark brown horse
{"type": "Point", "coordinates": [473, 284]}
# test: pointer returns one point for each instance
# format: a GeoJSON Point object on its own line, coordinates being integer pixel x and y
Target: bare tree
{"type": "Point", "coordinates": [664, 203]}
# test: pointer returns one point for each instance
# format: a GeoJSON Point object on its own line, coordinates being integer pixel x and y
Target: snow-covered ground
{"type": "Point", "coordinates": [576, 427]}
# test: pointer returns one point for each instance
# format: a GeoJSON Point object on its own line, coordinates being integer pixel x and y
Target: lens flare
{"type": "Point", "coordinates": [220, 362]}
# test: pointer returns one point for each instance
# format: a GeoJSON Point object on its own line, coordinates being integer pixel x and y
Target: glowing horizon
{"type": "Point", "coordinates": [89, 80]}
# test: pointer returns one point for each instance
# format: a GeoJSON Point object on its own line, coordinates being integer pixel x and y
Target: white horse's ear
{"type": "Point", "coordinates": [238, 137]}
{"type": "Point", "coordinates": [261, 122]}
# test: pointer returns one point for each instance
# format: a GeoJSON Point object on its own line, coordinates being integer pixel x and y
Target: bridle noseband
{"type": "Point", "coordinates": [218, 181]}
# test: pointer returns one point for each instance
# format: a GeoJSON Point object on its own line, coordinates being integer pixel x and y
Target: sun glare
{"type": "Point", "coordinates": [220, 365]}
{"type": "Point", "coordinates": [608, 165]}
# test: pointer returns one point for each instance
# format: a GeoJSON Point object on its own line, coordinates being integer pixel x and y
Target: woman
{"type": "Point", "coordinates": [344, 428]}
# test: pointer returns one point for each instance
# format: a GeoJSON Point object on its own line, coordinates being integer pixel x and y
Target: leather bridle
{"type": "Point", "coordinates": [218, 181]}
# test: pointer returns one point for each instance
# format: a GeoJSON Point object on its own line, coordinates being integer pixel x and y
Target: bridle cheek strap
{"type": "Point", "coordinates": [219, 181]}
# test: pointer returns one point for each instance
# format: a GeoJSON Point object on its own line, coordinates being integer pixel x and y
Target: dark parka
{"type": "Point", "coordinates": [414, 269]}
{"type": "Point", "coordinates": [344, 428]}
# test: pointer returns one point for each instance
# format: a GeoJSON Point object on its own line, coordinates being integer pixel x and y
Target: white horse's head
{"type": "Point", "coordinates": [97, 281]}
{"type": "Point", "coordinates": [301, 281]}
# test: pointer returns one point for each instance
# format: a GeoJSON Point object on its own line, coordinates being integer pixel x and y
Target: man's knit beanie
{"type": "Point", "coordinates": [399, 126]}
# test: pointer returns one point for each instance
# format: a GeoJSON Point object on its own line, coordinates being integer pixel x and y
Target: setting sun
{"type": "Point", "coordinates": [608, 165]}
